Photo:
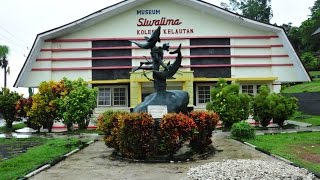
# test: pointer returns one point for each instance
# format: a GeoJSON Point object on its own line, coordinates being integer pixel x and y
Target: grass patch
{"type": "Point", "coordinates": [300, 148]}
{"type": "Point", "coordinates": [315, 75]}
{"type": "Point", "coordinates": [313, 86]}
{"type": "Point", "coordinates": [48, 150]}
{"type": "Point", "coordinates": [311, 119]}
{"type": "Point", "coordinates": [17, 126]}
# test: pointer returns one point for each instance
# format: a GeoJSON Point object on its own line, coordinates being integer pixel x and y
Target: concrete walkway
{"type": "Point", "coordinates": [94, 162]}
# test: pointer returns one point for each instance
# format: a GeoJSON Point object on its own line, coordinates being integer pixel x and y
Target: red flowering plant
{"type": "Point", "coordinates": [206, 121]}
{"type": "Point", "coordinates": [175, 130]}
{"type": "Point", "coordinates": [108, 123]}
{"type": "Point", "coordinates": [22, 106]}
{"type": "Point", "coordinates": [136, 136]}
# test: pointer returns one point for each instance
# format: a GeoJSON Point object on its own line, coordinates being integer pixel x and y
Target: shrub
{"type": "Point", "coordinates": [262, 108]}
{"type": "Point", "coordinates": [8, 100]}
{"type": "Point", "coordinates": [175, 130]}
{"type": "Point", "coordinates": [108, 122]}
{"type": "Point", "coordinates": [283, 108]}
{"type": "Point", "coordinates": [76, 105]}
{"type": "Point", "coordinates": [43, 111]}
{"type": "Point", "coordinates": [242, 130]}
{"type": "Point", "coordinates": [230, 105]}
{"type": "Point", "coordinates": [136, 135]}
{"type": "Point", "coordinates": [22, 107]}
{"type": "Point", "coordinates": [206, 122]}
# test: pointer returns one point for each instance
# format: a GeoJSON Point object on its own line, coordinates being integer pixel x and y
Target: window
{"type": "Point", "coordinates": [113, 96]}
{"type": "Point", "coordinates": [247, 89]}
{"type": "Point", "coordinates": [203, 93]}
{"type": "Point", "coordinates": [251, 89]}
{"type": "Point", "coordinates": [104, 97]}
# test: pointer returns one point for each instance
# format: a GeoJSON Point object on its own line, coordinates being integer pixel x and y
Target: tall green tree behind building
{"type": "Point", "coordinates": [259, 10]}
{"type": "Point", "coordinates": [305, 44]}
{"type": "Point", "coordinates": [4, 50]}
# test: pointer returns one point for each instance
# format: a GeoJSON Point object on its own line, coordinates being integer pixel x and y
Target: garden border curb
{"type": "Point", "coordinates": [56, 161]}
{"type": "Point", "coordinates": [279, 157]}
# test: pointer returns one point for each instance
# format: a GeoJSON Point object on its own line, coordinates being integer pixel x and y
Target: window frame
{"type": "Point", "coordinates": [255, 88]}
{"type": "Point", "coordinates": [112, 100]}
{"type": "Point", "coordinates": [197, 93]}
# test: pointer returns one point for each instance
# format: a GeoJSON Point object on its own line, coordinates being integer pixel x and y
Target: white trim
{"type": "Point", "coordinates": [129, 4]}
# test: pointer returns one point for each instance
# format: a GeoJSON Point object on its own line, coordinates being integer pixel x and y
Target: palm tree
{"type": "Point", "coordinates": [4, 50]}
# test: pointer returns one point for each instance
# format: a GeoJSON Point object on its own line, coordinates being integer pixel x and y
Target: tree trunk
{"type": "Point", "coordinates": [9, 124]}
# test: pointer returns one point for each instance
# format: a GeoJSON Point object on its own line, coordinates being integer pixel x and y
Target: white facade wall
{"type": "Point", "coordinates": [124, 25]}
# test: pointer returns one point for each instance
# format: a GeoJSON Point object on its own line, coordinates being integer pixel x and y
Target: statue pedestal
{"type": "Point", "coordinates": [175, 100]}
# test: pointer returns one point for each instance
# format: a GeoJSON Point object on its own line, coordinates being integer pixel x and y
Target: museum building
{"type": "Point", "coordinates": [215, 44]}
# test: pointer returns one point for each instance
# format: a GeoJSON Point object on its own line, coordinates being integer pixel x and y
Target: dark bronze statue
{"type": "Point", "coordinates": [159, 76]}
{"type": "Point", "coordinates": [174, 100]}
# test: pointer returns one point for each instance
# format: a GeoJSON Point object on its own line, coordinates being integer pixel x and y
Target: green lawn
{"type": "Point", "coordinates": [311, 119]}
{"type": "Point", "coordinates": [315, 73]}
{"type": "Point", "coordinates": [4, 129]}
{"type": "Point", "coordinates": [313, 86]}
{"type": "Point", "coordinates": [300, 148]}
{"type": "Point", "coordinates": [43, 151]}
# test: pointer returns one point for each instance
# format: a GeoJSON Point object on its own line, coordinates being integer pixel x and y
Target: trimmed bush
{"type": "Point", "coordinates": [230, 105]}
{"type": "Point", "coordinates": [108, 122]}
{"type": "Point", "coordinates": [136, 136]}
{"type": "Point", "coordinates": [242, 130]}
{"type": "Point", "coordinates": [206, 123]}
{"type": "Point", "coordinates": [139, 136]}
{"type": "Point", "coordinates": [262, 106]}
{"type": "Point", "coordinates": [283, 108]}
{"type": "Point", "coordinates": [8, 100]}
{"type": "Point", "coordinates": [175, 130]}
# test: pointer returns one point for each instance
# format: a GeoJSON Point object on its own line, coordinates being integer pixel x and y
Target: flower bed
{"type": "Point", "coordinates": [139, 136]}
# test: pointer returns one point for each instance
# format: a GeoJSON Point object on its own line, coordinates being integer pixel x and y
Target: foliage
{"type": "Point", "coordinates": [108, 123]}
{"type": "Point", "coordinates": [71, 101]}
{"type": "Point", "coordinates": [311, 119]}
{"type": "Point", "coordinates": [76, 105]}
{"type": "Point", "coordinates": [175, 130]}
{"type": "Point", "coordinates": [8, 100]}
{"type": "Point", "coordinates": [205, 122]}
{"type": "Point", "coordinates": [136, 136]}
{"type": "Point", "coordinates": [242, 131]}
{"type": "Point", "coordinates": [262, 106]}
{"type": "Point", "coordinates": [310, 60]}
{"type": "Point", "coordinates": [49, 150]}
{"type": "Point", "coordinates": [313, 86]}
{"type": "Point", "coordinates": [43, 111]}
{"type": "Point", "coordinates": [259, 10]}
{"type": "Point", "coordinates": [306, 44]}
{"type": "Point", "coordinates": [301, 148]}
{"type": "Point", "coordinates": [14, 127]}
{"type": "Point", "coordinates": [283, 108]}
{"type": "Point", "coordinates": [4, 50]}
{"type": "Point", "coordinates": [230, 105]}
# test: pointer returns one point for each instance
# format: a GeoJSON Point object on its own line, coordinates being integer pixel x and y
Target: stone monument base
{"type": "Point", "coordinates": [175, 100]}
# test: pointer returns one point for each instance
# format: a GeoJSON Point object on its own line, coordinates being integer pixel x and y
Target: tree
{"type": "Point", "coordinates": [43, 111]}
{"type": "Point", "coordinates": [262, 109]}
{"type": "Point", "coordinates": [78, 104]}
{"type": "Point", "coordinates": [259, 10]}
{"type": "Point", "coordinates": [228, 103]}
{"type": "Point", "coordinates": [282, 108]}
{"type": "Point", "coordinates": [8, 100]}
{"type": "Point", "coordinates": [4, 50]}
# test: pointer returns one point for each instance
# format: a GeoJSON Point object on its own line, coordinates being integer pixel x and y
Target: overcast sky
{"type": "Point", "coordinates": [21, 21]}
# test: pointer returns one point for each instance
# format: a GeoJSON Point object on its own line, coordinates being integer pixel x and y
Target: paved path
{"type": "Point", "coordinates": [93, 163]}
